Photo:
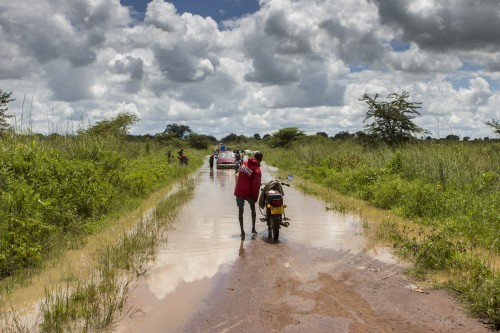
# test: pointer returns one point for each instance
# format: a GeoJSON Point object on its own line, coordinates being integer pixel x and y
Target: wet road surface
{"type": "Point", "coordinates": [321, 276]}
{"type": "Point", "coordinates": [206, 240]}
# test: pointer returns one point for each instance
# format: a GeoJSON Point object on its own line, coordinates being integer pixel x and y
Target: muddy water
{"type": "Point", "coordinates": [206, 240]}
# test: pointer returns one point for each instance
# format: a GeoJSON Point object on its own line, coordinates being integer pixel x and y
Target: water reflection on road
{"type": "Point", "coordinates": [205, 240]}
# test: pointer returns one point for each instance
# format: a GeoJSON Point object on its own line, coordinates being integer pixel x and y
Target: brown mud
{"type": "Point", "coordinates": [293, 288]}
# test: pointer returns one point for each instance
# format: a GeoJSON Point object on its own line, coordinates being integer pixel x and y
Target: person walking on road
{"type": "Point", "coordinates": [247, 188]}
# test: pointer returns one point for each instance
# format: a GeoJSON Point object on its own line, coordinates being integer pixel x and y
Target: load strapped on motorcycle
{"type": "Point", "coordinates": [271, 198]}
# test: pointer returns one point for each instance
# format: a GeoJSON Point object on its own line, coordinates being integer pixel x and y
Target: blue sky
{"type": "Point", "coordinates": [247, 66]}
{"type": "Point", "coordinates": [217, 9]}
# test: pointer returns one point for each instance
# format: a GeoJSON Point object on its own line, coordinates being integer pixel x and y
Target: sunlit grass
{"type": "Point", "coordinates": [441, 201]}
{"type": "Point", "coordinates": [96, 304]}
{"type": "Point", "coordinates": [57, 192]}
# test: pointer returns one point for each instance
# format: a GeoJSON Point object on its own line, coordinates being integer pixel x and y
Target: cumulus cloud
{"type": "Point", "coordinates": [302, 63]}
{"type": "Point", "coordinates": [445, 25]}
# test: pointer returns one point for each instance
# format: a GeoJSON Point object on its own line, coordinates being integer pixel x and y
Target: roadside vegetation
{"type": "Point", "coordinates": [57, 190]}
{"type": "Point", "coordinates": [447, 191]}
{"type": "Point", "coordinates": [443, 195]}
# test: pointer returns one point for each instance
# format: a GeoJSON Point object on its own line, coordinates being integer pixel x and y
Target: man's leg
{"type": "Point", "coordinates": [240, 217]}
{"type": "Point", "coordinates": [254, 215]}
{"type": "Point", "coordinates": [240, 203]}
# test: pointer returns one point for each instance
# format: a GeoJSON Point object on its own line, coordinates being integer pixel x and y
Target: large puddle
{"type": "Point", "coordinates": [205, 241]}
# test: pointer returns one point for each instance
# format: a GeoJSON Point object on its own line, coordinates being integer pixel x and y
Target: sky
{"type": "Point", "coordinates": [248, 66]}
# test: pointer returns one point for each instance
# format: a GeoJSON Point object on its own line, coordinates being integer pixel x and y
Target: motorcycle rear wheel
{"type": "Point", "coordinates": [275, 227]}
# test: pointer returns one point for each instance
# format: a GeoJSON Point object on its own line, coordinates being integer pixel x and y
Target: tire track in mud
{"type": "Point", "coordinates": [291, 288]}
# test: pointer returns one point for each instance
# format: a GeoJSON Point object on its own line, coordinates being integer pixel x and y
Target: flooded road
{"type": "Point", "coordinates": [205, 242]}
{"type": "Point", "coordinates": [321, 276]}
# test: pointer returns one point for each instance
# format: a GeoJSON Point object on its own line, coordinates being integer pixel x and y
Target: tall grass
{"type": "Point", "coordinates": [451, 189]}
{"type": "Point", "coordinates": [87, 306]}
{"type": "Point", "coordinates": [57, 188]}
{"type": "Point", "coordinates": [95, 305]}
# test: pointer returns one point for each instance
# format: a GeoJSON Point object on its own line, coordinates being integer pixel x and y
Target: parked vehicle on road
{"type": "Point", "coordinates": [226, 159]}
{"type": "Point", "coordinates": [271, 199]}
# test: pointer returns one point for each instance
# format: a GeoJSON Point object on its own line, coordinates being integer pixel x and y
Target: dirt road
{"type": "Point", "coordinates": [319, 277]}
{"type": "Point", "coordinates": [291, 288]}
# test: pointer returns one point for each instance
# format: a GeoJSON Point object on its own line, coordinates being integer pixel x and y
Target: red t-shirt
{"type": "Point", "coordinates": [249, 177]}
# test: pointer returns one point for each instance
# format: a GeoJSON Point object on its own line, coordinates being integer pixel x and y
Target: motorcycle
{"type": "Point", "coordinates": [237, 165]}
{"type": "Point", "coordinates": [238, 162]}
{"type": "Point", "coordinates": [271, 198]}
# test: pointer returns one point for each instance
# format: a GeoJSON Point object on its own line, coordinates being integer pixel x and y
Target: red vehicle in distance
{"type": "Point", "coordinates": [226, 160]}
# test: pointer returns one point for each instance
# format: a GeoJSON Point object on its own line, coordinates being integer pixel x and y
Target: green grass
{"type": "Point", "coordinates": [58, 189]}
{"type": "Point", "coordinates": [87, 306]}
{"type": "Point", "coordinates": [450, 191]}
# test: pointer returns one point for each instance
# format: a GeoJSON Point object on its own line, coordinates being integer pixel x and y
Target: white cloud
{"type": "Point", "coordinates": [301, 63]}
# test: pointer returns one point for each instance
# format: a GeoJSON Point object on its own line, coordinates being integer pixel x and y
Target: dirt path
{"type": "Point", "coordinates": [285, 287]}
{"type": "Point", "coordinates": [322, 276]}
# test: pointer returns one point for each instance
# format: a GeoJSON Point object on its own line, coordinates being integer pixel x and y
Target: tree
{"type": "Point", "coordinates": [177, 130]}
{"type": "Point", "coordinates": [323, 134]}
{"type": "Point", "coordinates": [198, 141]}
{"type": "Point", "coordinates": [495, 124]}
{"type": "Point", "coordinates": [285, 136]}
{"type": "Point", "coordinates": [452, 137]}
{"type": "Point", "coordinates": [4, 101]}
{"type": "Point", "coordinates": [392, 120]}
{"type": "Point", "coordinates": [344, 135]}
{"type": "Point", "coordinates": [118, 126]}
{"type": "Point", "coordinates": [231, 137]}
{"type": "Point", "coordinates": [256, 136]}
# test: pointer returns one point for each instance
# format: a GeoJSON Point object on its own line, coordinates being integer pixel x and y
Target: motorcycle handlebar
{"type": "Point", "coordinates": [280, 181]}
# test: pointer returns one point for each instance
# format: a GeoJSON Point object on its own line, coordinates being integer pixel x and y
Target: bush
{"type": "Point", "coordinates": [58, 188]}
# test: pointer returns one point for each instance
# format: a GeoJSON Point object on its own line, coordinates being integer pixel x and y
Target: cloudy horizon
{"type": "Point", "coordinates": [291, 63]}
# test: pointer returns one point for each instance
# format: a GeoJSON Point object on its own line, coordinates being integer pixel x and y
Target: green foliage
{"type": "Point", "coordinates": [230, 137]}
{"type": "Point", "coordinates": [343, 135]}
{"type": "Point", "coordinates": [285, 137]}
{"type": "Point", "coordinates": [452, 137]}
{"type": "Point", "coordinates": [482, 292]}
{"type": "Point", "coordinates": [199, 142]}
{"type": "Point", "coordinates": [95, 305]}
{"type": "Point", "coordinates": [451, 189]}
{"type": "Point", "coordinates": [234, 139]}
{"type": "Point", "coordinates": [60, 187]}
{"type": "Point", "coordinates": [115, 127]}
{"type": "Point", "coordinates": [4, 101]}
{"type": "Point", "coordinates": [142, 174]}
{"type": "Point", "coordinates": [178, 131]}
{"type": "Point", "coordinates": [392, 121]}
{"type": "Point", "coordinates": [438, 252]}
{"type": "Point", "coordinates": [495, 124]}
{"type": "Point", "coordinates": [395, 164]}
{"type": "Point", "coordinates": [323, 134]}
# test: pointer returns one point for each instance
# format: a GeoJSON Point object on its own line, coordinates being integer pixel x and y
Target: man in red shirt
{"type": "Point", "coordinates": [248, 188]}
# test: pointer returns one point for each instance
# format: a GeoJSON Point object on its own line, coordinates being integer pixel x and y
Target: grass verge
{"type": "Point", "coordinates": [439, 206]}
{"type": "Point", "coordinates": [87, 306]}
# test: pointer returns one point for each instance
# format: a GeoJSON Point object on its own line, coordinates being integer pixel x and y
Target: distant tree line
{"type": "Point", "coordinates": [388, 122]}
